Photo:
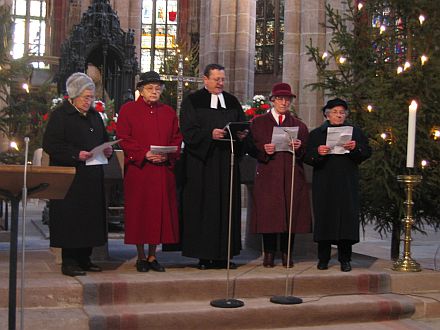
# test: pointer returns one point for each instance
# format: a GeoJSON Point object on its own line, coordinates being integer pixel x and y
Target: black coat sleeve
{"type": "Point", "coordinates": [61, 151]}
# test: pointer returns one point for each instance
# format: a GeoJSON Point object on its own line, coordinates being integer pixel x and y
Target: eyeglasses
{"type": "Point", "coordinates": [153, 89]}
{"type": "Point", "coordinates": [87, 97]}
{"type": "Point", "coordinates": [286, 98]}
{"type": "Point", "coordinates": [217, 80]}
{"type": "Point", "coordinates": [341, 113]}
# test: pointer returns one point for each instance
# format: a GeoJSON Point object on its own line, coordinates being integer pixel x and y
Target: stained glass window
{"type": "Point", "coordinates": [269, 36]}
{"type": "Point", "coordinates": [29, 29]}
{"type": "Point", "coordinates": [159, 33]}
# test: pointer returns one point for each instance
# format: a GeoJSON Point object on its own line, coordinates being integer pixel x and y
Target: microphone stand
{"type": "Point", "coordinates": [229, 302]}
{"type": "Point", "coordinates": [286, 299]}
{"type": "Point", "coordinates": [23, 232]}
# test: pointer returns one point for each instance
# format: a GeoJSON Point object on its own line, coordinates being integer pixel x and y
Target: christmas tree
{"type": "Point", "coordinates": [14, 118]}
{"type": "Point", "coordinates": [383, 55]}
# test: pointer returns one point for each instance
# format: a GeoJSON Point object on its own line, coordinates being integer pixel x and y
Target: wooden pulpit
{"type": "Point", "coordinates": [50, 182]}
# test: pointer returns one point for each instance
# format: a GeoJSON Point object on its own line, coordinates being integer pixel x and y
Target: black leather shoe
{"type": "Point", "coordinates": [345, 266]}
{"type": "Point", "coordinates": [91, 267]}
{"type": "Point", "coordinates": [284, 260]}
{"type": "Point", "coordinates": [71, 270]}
{"type": "Point", "coordinates": [223, 264]}
{"type": "Point", "coordinates": [268, 260]}
{"type": "Point", "coordinates": [322, 265]}
{"type": "Point", "coordinates": [157, 267]}
{"type": "Point", "coordinates": [205, 264]}
{"type": "Point", "coordinates": [142, 266]}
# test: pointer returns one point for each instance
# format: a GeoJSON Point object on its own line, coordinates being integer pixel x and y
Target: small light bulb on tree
{"type": "Point", "coordinates": [360, 5]}
{"type": "Point", "coordinates": [324, 55]}
{"type": "Point", "coordinates": [342, 60]}
{"type": "Point", "coordinates": [399, 70]}
{"type": "Point", "coordinates": [423, 59]}
{"type": "Point", "coordinates": [406, 66]}
{"type": "Point", "coordinates": [369, 108]}
{"type": "Point", "coordinates": [382, 29]}
{"type": "Point", "coordinates": [421, 19]}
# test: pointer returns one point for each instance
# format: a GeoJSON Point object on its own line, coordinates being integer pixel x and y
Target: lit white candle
{"type": "Point", "coordinates": [411, 134]}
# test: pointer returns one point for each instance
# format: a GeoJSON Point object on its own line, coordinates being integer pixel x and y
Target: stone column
{"type": "Point", "coordinates": [227, 37]}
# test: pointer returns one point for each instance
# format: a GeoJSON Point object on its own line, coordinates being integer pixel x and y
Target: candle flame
{"type": "Point", "coordinates": [413, 106]}
{"type": "Point", "coordinates": [360, 5]}
{"type": "Point", "coordinates": [14, 145]}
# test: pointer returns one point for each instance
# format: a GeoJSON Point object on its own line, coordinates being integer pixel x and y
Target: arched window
{"type": "Point", "coordinates": [159, 33]}
{"type": "Point", "coordinates": [30, 29]}
{"type": "Point", "coordinates": [269, 36]}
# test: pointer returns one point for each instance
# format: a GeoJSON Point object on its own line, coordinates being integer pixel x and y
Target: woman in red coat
{"type": "Point", "coordinates": [271, 204]}
{"type": "Point", "coordinates": [149, 182]}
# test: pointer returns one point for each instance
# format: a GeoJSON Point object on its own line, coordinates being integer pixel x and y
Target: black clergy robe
{"type": "Point", "coordinates": [205, 204]}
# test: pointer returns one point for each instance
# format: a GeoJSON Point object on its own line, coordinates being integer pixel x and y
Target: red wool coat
{"type": "Point", "coordinates": [149, 190]}
{"type": "Point", "coordinates": [271, 197]}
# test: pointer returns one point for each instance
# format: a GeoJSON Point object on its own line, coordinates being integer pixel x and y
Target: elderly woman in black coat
{"type": "Point", "coordinates": [77, 223]}
{"type": "Point", "coordinates": [335, 186]}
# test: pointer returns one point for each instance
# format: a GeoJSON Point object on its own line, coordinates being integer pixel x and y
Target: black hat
{"type": "Point", "coordinates": [334, 103]}
{"type": "Point", "coordinates": [149, 77]}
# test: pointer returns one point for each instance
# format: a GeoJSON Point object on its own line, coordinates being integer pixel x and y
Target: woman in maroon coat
{"type": "Point", "coordinates": [149, 182]}
{"type": "Point", "coordinates": [271, 204]}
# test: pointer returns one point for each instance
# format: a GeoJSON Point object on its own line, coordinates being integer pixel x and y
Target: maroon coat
{"type": "Point", "coordinates": [271, 197]}
{"type": "Point", "coordinates": [149, 189]}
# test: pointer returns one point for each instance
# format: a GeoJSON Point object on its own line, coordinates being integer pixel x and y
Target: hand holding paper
{"type": "Point", "coordinates": [282, 137]}
{"type": "Point", "coordinates": [98, 157]}
{"type": "Point", "coordinates": [337, 137]}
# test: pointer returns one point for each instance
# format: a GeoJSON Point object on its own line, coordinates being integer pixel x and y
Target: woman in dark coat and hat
{"type": "Point", "coordinates": [271, 210]}
{"type": "Point", "coordinates": [335, 186]}
{"type": "Point", "coordinates": [77, 222]}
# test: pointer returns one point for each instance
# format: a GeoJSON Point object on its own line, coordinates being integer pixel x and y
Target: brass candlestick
{"type": "Point", "coordinates": [406, 263]}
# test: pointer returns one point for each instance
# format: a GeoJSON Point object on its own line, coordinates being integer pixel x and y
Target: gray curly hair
{"type": "Point", "coordinates": [77, 83]}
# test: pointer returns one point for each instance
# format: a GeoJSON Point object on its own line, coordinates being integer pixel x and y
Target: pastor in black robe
{"type": "Point", "coordinates": [205, 205]}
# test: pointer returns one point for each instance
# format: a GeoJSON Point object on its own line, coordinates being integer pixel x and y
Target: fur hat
{"type": "Point", "coordinates": [77, 83]}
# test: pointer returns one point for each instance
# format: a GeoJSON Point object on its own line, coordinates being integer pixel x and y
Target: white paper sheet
{"type": "Point", "coordinates": [163, 149]}
{"type": "Point", "coordinates": [336, 137]}
{"type": "Point", "coordinates": [282, 136]}
{"type": "Point", "coordinates": [98, 157]}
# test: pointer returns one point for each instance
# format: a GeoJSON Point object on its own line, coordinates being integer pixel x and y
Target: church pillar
{"type": "Point", "coordinates": [227, 37]}
{"type": "Point", "coordinates": [303, 20]}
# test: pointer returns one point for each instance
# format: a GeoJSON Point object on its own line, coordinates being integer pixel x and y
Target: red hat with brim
{"type": "Point", "coordinates": [281, 89]}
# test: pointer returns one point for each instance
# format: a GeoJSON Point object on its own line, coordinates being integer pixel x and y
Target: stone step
{"type": "Point", "coordinates": [258, 313]}
{"type": "Point", "coordinates": [48, 319]}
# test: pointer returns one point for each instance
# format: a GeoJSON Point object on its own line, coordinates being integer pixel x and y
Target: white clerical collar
{"type": "Point", "coordinates": [214, 101]}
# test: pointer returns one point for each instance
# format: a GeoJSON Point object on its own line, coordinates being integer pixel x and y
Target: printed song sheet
{"type": "Point", "coordinates": [98, 157]}
{"type": "Point", "coordinates": [282, 136]}
{"type": "Point", "coordinates": [163, 149]}
{"type": "Point", "coordinates": [337, 137]}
